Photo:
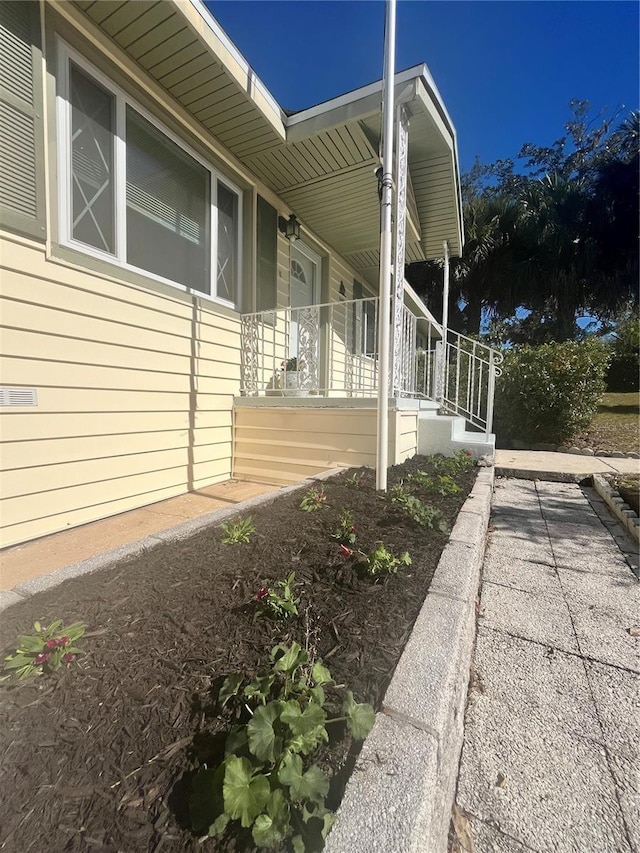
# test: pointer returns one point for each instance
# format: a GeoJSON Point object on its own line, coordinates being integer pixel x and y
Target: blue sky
{"type": "Point", "coordinates": [506, 70]}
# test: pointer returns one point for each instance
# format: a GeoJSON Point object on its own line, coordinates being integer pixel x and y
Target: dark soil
{"type": "Point", "coordinates": [628, 487]}
{"type": "Point", "coordinates": [99, 757]}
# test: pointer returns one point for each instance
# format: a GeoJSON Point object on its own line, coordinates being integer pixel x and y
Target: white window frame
{"type": "Point", "coordinates": [67, 55]}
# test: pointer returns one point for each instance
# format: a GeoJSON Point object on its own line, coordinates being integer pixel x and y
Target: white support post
{"type": "Point", "coordinates": [382, 448]}
{"type": "Point", "coordinates": [445, 316]}
{"type": "Point", "coordinates": [398, 367]}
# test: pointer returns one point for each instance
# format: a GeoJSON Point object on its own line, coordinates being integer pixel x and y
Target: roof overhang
{"type": "Point", "coordinates": [320, 161]}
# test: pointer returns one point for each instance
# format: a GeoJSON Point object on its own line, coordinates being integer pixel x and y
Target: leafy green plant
{"type": "Point", "coordinates": [453, 465]}
{"type": "Point", "coordinates": [355, 481]}
{"type": "Point", "coordinates": [381, 561]}
{"type": "Point", "coordinates": [46, 650]}
{"type": "Point", "coordinates": [238, 531]}
{"type": "Point", "coordinates": [443, 484]}
{"type": "Point", "coordinates": [423, 514]}
{"type": "Point", "coordinates": [550, 393]}
{"type": "Point", "coordinates": [280, 602]}
{"type": "Point", "coordinates": [346, 532]}
{"type": "Point", "coordinates": [313, 500]}
{"type": "Point", "coordinates": [267, 782]}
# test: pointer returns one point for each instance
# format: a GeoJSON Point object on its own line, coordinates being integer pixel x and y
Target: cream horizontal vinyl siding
{"type": "Point", "coordinates": [135, 393]}
{"type": "Point", "coordinates": [286, 444]}
{"type": "Point", "coordinates": [406, 434]}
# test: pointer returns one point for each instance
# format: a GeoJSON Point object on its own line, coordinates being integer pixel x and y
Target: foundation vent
{"type": "Point", "coordinates": [18, 396]}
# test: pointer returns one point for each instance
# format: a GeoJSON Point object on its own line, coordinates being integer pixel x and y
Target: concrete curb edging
{"type": "Point", "coordinates": [400, 795]}
{"type": "Point", "coordinates": [623, 512]}
{"type": "Point", "coordinates": [547, 476]}
{"type": "Point", "coordinates": [20, 592]}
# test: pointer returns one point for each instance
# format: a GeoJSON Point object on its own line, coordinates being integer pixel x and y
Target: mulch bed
{"type": "Point", "coordinates": [99, 757]}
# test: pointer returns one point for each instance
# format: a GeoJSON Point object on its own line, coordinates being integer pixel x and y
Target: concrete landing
{"type": "Point", "coordinates": [40, 557]}
{"type": "Point", "coordinates": [552, 727]}
{"type": "Point", "coordinates": [563, 467]}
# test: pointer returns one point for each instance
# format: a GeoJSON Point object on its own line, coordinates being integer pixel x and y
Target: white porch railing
{"type": "Point", "coordinates": [331, 350]}
{"type": "Point", "coordinates": [461, 376]}
{"type": "Point", "coordinates": [326, 350]}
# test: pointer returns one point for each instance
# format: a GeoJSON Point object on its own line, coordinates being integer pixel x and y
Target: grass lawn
{"type": "Point", "coordinates": [616, 426]}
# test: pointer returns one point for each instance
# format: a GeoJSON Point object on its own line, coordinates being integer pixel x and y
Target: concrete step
{"type": "Point", "coordinates": [447, 434]}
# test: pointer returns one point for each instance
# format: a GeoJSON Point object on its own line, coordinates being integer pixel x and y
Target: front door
{"type": "Point", "coordinates": [305, 287]}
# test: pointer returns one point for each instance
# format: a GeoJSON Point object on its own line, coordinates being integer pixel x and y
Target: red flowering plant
{"type": "Point", "coordinates": [279, 602]}
{"type": "Point", "coordinates": [313, 500]}
{"type": "Point", "coordinates": [379, 561]}
{"type": "Point", "coordinates": [46, 650]}
{"type": "Point", "coordinates": [346, 533]}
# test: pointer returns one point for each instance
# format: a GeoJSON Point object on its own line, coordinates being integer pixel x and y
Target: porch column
{"type": "Point", "coordinates": [402, 148]}
{"type": "Point", "coordinates": [445, 320]}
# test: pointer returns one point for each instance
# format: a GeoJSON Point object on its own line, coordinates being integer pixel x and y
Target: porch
{"type": "Point", "coordinates": [309, 387]}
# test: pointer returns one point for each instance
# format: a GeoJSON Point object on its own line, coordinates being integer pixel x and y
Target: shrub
{"type": "Point", "coordinates": [624, 370]}
{"type": "Point", "coordinates": [550, 393]}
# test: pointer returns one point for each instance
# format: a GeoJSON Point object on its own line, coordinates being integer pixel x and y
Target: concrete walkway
{"type": "Point", "coordinates": [552, 728]}
{"type": "Point", "coordinates": [547, 465]}
{"type": "Point", "coordinates": [41, 557]}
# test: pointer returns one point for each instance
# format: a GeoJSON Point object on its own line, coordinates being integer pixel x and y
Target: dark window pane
{"type": "Point", "coordinates": [227, 244]}
{"type": "Point", "coordinates": [92, 173]}
{"type": "Point", "coordinates": [168, 207]}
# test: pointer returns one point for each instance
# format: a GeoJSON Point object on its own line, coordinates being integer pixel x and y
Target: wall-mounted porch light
{"type": "Point", "coordinates": [289, 227]}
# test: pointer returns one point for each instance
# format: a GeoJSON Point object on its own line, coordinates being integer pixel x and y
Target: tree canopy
{"type": "Point", "coordinates": [550, 240]}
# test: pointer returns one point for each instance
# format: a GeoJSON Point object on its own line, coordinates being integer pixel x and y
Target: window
{"type": "Point", "coordinates": [364, 322]}
{"type": "Point", "coordinates": [133, 194]}
{"type": "Point", "coordinates": [92, 162]}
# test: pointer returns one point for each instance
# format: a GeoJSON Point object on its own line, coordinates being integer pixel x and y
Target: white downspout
{"type": "Point", "coordinates": [445, 317]}
{"type": "Point", "coordinates": [384, 318]}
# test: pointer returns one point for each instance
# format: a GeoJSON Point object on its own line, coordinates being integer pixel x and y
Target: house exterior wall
{"type": "Point", "coordinates": [284, 444]}
{"type": "Point", "coordinates": [135, 379]}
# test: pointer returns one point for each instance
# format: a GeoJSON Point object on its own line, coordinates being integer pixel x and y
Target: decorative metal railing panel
{"type": "Point", "coordinates": [328, 349]}
{"type": "Point", "coordinates": [331, 350]}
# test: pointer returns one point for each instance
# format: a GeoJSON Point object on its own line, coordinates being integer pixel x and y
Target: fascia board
{"type": "Point", "coordinates": [202, 22]}
{"type": "Point", "coordinates": [344, 110]}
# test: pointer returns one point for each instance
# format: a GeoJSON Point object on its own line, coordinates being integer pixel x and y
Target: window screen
{"type": "Point", "coordinates": [168, 207]}
{"type": "Point", "coordinates": [227, 243]}
{"type": "Point", "coordinates": [92, 172]}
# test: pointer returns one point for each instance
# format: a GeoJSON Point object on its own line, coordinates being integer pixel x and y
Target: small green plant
{"type": "Point", "coordinates": [378, 562]}
{"type": "Point", "coordinates": [267, 781]}
{"type": "Point", "coordinates": [443, 484]}
{"type": "Point", "coordinates": [355, 481]}
{"type": "Point", "coordinates": [46, 650]}
{"type": "Point", "coordinates": [314, 499]}
{"type": "Point", "coordinates": [423, 514]}
{"type": "Point", "coordinates": [238, 531]}
{"type": "Point", "coordinates": [279, 603]}
{"type": "Point", "coordinates": [346, 532]}
{"type": "Point", "coordinates": [452, 465]}
{"type": "Point", "coordinates": [290, 365]}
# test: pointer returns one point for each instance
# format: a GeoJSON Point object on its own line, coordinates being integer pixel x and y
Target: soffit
{"type": "Point", "coordinates": [192, 60]}
{"type": "Point", "coordinates": [321, 161]}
